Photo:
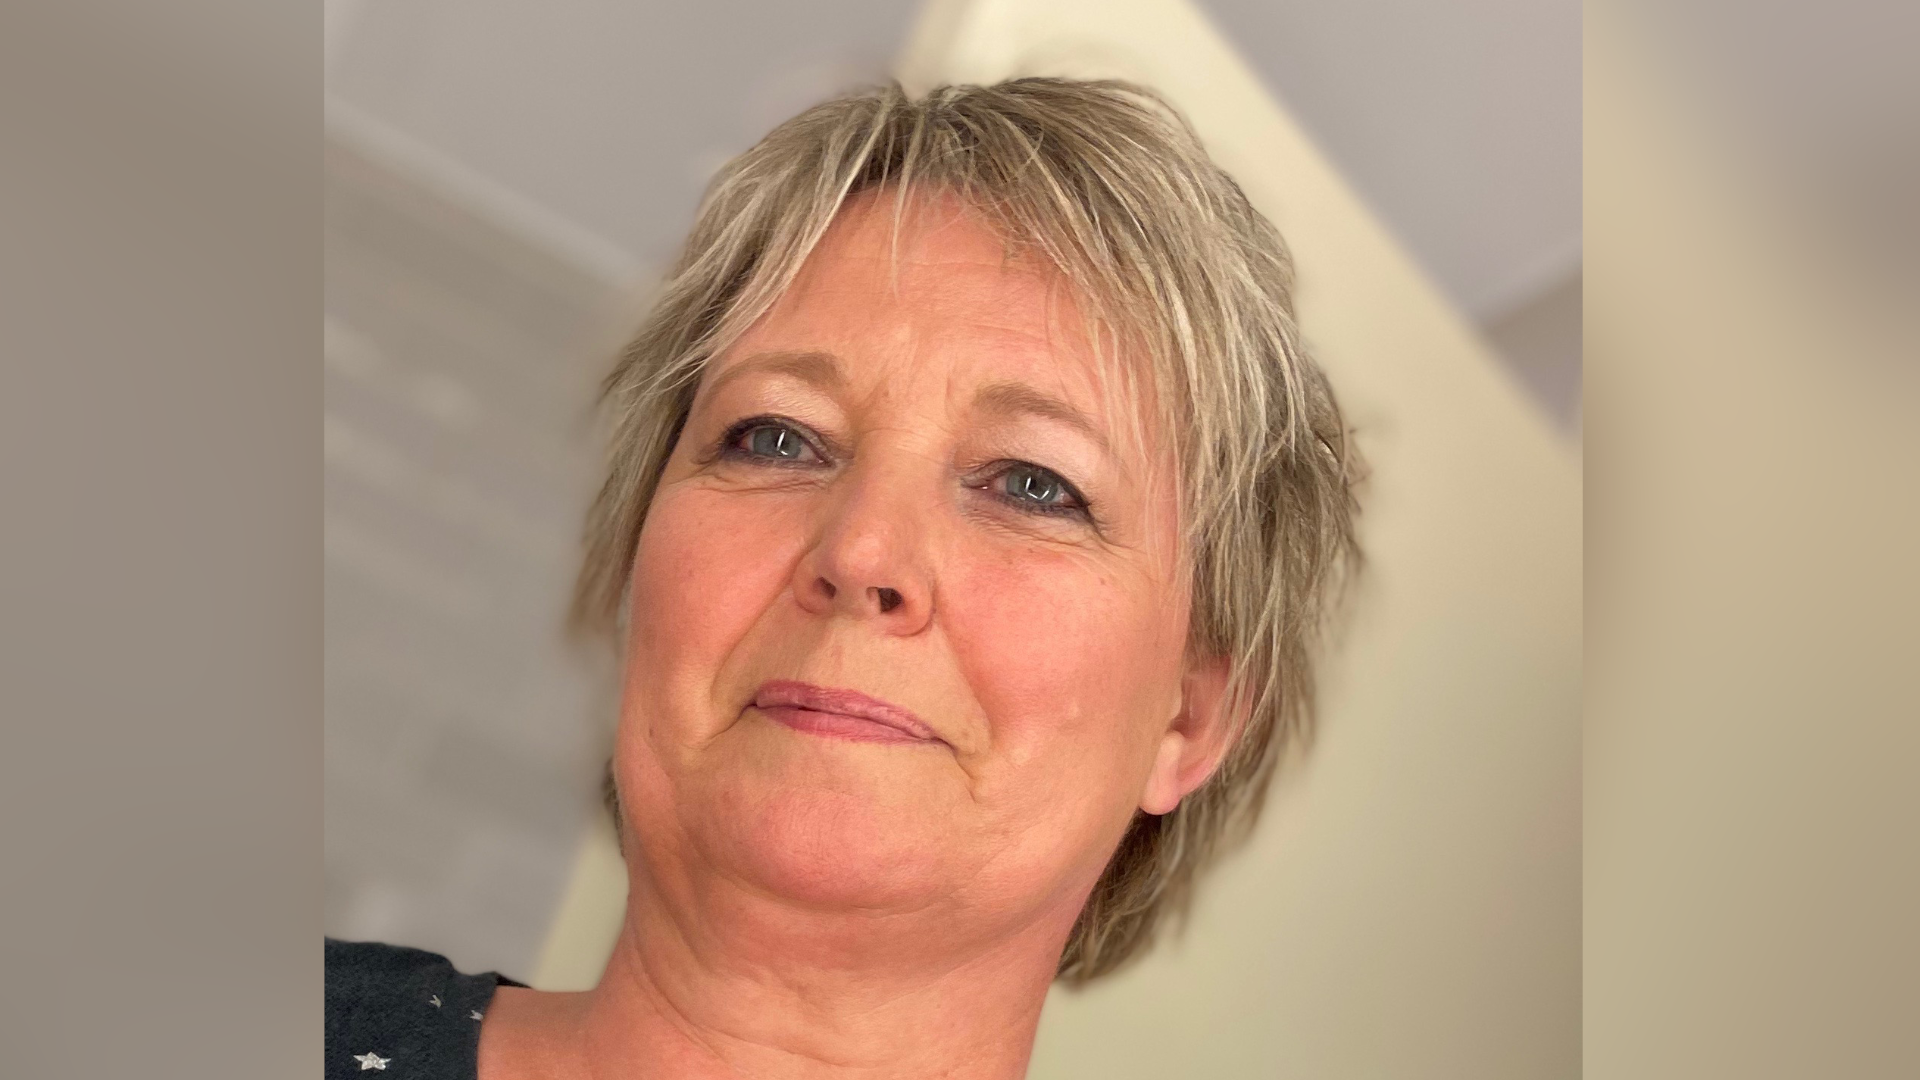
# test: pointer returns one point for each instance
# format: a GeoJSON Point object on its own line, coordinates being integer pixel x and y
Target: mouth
{"type": "Point", "coordinates": [840, 714]}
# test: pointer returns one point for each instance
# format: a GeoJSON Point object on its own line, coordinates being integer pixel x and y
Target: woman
{"type": "Point", "coordinates": [972, 515]}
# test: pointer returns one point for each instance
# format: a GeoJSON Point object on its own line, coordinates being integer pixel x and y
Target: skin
{"type": "Point", "coordinates": [810, 906]}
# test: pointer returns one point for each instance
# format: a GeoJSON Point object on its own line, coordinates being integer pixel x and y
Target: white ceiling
{"type": "Point", "coordinates": [1460, 123]}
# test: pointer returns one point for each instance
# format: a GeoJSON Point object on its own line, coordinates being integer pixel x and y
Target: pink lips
{"type": "Point", "coordinates": [844, 714]}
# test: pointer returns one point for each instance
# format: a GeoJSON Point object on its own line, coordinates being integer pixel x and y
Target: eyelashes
{"type": "Point", "coordinates": [770, 440]}
{"type": "Point", "coordinates": [1036, 489]}
{"type": "Point", "coordinates": [776, 442]}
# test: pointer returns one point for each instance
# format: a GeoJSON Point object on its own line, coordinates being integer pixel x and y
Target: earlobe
{"type": "Point", "coordinates": [1195, 742]}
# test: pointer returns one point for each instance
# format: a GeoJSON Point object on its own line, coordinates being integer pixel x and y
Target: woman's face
{"type": "Point", "coordinates": [907, 621]}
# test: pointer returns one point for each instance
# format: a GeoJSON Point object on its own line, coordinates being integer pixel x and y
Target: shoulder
{"type": "Point", "coordinates": [392, 1008]}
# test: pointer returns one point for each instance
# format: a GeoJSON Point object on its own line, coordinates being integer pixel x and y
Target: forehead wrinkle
{"type": "Point", "coordinates": [816, 367]}
{"type": "Point", "coordinates": [1034, 316]}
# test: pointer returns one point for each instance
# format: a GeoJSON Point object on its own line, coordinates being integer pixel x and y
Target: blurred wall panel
{"type": "Point", "coordinates": [1752, 873]}
{"type": "Point", "coordinates": [462, 736]}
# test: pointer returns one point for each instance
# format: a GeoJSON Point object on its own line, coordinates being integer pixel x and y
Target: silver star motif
{"type": "Point", "coordinates": [371, 1061]}
{"type": "Point", "coordinates": [434, 1001]}
{"type": "Point", "coordinates": [477, 1016]}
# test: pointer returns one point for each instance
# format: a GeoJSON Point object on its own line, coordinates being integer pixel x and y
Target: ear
{"type": "Point", "coordinates": [1195, 741]}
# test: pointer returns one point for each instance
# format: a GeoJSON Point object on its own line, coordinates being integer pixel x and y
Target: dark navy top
{"type": "Point", "coordinates": [403, 1012]}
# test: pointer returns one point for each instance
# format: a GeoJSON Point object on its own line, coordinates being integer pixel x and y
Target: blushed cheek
{"type": "Point", "coordinates": [1067, 664]}
{"type": "Point", "coordinates": [706, 569]}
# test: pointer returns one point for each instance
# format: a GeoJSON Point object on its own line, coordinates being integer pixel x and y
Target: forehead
{"type": "Point", "coordinates": [934, 293]}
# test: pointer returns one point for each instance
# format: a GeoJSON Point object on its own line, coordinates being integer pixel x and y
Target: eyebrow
{"type": "Point", "coordinates": [1017, 399]}
{"type": "Point", "coordinates": [822, 369]}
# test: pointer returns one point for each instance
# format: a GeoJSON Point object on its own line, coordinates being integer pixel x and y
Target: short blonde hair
{"type": "Point", "coordinates": [1109, 184]}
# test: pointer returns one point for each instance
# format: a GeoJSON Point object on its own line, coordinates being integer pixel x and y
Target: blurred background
{"type": "Point", "coordinates": [505, 182]}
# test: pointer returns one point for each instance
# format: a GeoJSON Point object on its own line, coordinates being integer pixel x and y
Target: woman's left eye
{"type": "Point", "coordinates": [1035, 488]}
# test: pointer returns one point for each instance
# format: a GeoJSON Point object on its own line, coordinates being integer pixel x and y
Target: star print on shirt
{"type": "Point", "coordinates": [434, 1001]}
{"type": "Point", "coordinates": [476, 1015]}
{"type": "Point", "coordinates": [371, 1060]}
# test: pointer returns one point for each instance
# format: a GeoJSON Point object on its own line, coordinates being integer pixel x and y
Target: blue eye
{"type": "Point", "coordinates": [770, 441]}
{"type": "Point", "coordinates": [774, 442]}
{"type": "Point", "coordinates": [1034, 488]}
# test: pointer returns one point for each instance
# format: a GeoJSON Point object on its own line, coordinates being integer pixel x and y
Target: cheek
{"type": "Point", "coordinates": [1072, 664]}
{"type": "Point", "coordinates": [706, 568]}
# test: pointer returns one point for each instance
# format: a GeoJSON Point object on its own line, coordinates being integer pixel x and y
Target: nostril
{"type": "Point", "coordinates": [827, 587]}
{"type": "Point", "coordinates": [889, 599]}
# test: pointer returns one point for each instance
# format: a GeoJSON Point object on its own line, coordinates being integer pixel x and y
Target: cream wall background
{"type": "Point", "coordinates": [1410, 906]}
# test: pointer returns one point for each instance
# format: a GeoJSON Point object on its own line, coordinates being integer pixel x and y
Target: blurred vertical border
{"type": "Point", "coordinates": [160, 538]}
{"type": "Point", "coordinates": [1751, 864]}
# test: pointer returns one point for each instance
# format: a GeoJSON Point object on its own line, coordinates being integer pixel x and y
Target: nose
{"type": "Point", "coordinates": [868, 558]}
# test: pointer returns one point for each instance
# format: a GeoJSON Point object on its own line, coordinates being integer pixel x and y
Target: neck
{"type": "Point", "coordinates": [755, 988]}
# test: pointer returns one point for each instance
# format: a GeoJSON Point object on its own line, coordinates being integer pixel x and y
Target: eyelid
{"type": "Point", "coordinates": [1081, 506]}
{"type": "Point", "coordinates": [814, 440]}
{"type": "Point", "coordinates": [982, 478]}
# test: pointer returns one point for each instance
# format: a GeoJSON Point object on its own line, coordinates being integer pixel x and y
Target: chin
{"type": "Point", "coordinates": [836, 824]}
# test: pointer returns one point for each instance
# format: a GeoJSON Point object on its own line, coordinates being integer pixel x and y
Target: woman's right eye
{"type": "Point", "coordinates": [772, 442]}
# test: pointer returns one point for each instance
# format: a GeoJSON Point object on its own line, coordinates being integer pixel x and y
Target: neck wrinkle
{"type": "Point", "coordinates": [717, 1018]}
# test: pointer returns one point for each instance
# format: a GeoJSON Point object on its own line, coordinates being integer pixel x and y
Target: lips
{"type": "Point", "coordinates": [843, 714]}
